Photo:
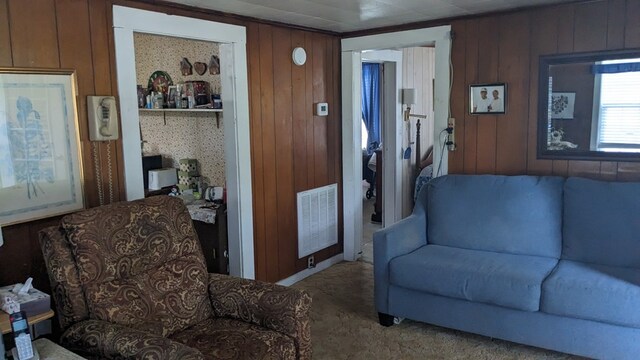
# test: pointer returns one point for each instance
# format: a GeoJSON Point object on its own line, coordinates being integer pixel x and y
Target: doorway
{"type": "Point", "coordinates": [235, 103]}
{"type": "Point", "coordinates": [353, 50]}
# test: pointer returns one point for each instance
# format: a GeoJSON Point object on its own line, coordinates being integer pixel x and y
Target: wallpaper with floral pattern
{"type": "Point", "coordinates": [179, 135]}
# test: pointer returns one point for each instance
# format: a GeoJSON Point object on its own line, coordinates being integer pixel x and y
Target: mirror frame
{"type": "Point", "coordinates": [543, 95]}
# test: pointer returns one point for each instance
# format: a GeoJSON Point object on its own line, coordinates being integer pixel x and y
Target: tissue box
{"type": "Point", "coordinates": [35, 302]}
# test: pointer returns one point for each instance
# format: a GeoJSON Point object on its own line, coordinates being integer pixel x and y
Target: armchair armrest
{"type": "Point", "coordinates": [275, 307]}
{"type": "Point", "coordinates": [112, 341]}
{"type": "Point", "coordinates": [398, 239]}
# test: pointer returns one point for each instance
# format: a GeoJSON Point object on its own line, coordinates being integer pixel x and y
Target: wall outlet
{"type": "Point", "coordinates": [451, 137]}
{"type": "Point", "coordinates": [311, 262]}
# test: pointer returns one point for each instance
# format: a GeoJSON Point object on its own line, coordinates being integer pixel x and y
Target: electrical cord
{"type": "Point", "coordinates": [96, 164]}
{"type": "Point", "coordinates": [444, 144]}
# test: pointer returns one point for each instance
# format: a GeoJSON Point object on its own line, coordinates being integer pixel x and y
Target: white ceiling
{"type": "Point", "coordinates": [351, 15]}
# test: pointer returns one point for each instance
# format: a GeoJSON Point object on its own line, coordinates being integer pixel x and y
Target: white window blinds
{"type": "Point", "coordinates": [619, 125]}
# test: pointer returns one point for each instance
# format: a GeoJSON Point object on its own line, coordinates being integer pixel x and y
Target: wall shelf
{"type": "Point", "coordinates": [164, 111]}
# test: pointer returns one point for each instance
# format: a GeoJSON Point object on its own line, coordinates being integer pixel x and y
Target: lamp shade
{"type": "Point", "coordinates": [408, 96]}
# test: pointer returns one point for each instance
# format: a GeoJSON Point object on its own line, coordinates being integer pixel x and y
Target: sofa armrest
{"type": "Point", "coordinates": [275, 307]}
{"type": "Point", "coordinates": [398, 239]}
{"type": "Point", "coordinates": [112, 341]}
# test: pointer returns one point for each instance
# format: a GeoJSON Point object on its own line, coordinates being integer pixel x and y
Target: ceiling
{"type": "Point", "coordinates": [352, 15]}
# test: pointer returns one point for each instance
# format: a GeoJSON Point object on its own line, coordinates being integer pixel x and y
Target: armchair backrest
{"type": "Point", "coordinates": [138, 264]}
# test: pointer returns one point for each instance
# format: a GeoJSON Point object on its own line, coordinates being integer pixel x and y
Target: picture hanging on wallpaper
{"type": "Point", "coordinates": [186, 68]}
{"type": "Point", "coordinates": [214, 65]}
{"type": "Point", "coordinates": [40, 169]}
{"type": "Point", "coordinates": [487, 98]}
{"type": "Point", "coordinates": [200, 67]}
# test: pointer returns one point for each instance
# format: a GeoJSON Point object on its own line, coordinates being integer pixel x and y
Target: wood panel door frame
{"type": "Point", "coordinates": [352, 49]}
{"type": "Point", "coordinates": [235, 100]}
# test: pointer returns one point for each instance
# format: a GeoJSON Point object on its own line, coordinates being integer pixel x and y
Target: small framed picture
{"type": "Point", "coordinates": [487, 98]}
{"type": "Point", "coordinates": [172, 96]}
{"type": "Point", "coordinates": [562, 105]}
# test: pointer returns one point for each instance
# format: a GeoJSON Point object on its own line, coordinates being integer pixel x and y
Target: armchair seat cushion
{"type": "Point", "coordinates": [221, 339]}
{"type": "Point", "coordinates": [594, 292]}
{"type": "Point", "coordinates": [488, 277]}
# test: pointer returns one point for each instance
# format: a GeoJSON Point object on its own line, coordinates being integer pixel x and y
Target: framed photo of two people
{"type": "Point", "coordinates": [487, 98]}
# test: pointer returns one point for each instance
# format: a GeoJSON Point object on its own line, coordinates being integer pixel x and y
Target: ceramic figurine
{"type": "Point", "coordinates": [214, 65]}
{"type": "Point", "coordinates": [185, 67]}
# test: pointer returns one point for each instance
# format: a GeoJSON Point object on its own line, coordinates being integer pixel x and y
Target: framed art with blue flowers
{"type": "Point", "coordinates": [40, 167]}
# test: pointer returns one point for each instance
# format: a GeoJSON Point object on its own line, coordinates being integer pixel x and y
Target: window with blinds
{"type": "Point", "coordinates": [619, 110]}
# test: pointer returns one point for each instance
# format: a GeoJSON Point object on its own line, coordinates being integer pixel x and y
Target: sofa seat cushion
{"type": "Point", "coordinates": [593, 292]}
{"type": "Point", "coordinates": [507, 280]}
{"type": "Point", "coordinates": [222, 338]}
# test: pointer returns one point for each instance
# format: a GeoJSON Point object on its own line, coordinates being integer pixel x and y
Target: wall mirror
{"type": "Point", "coordinates": [589, 106]}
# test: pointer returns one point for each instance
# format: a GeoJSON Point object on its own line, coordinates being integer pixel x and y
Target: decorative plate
{"type": "Point", "coordinates": [159, 82]}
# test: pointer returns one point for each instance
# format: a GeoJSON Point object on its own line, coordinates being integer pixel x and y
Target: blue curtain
{"type": "Point", "coordinates": [616, 68]}
{"type": "Point", "coordinates": [371, 104]}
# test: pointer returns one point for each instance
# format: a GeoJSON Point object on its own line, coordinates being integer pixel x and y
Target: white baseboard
{"type": "Point", "coordinates": [308, 272]}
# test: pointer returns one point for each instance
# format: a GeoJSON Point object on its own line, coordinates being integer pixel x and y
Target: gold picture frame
{"type": "Point", "coordinates": [40, 153]}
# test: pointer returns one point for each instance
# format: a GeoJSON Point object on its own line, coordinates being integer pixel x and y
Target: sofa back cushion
{"type": "Point", "coordinates": [140, 264]}
{"type": "Point", "coordinates": [602, 222]}
{"type": "Point", "coordinates": [510, 214]}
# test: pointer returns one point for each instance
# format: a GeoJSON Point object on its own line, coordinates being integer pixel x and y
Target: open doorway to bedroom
{"type": "Point", "coordinates": [414, 68]}
{"type": "Point", "coordinates": [401, 160]}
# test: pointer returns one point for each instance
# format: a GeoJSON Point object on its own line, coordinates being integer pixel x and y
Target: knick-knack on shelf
{"type": "Point", "coordinates": [185, 67]}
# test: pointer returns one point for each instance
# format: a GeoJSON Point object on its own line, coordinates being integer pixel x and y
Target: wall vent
{"type": "Point", "coordinates": [317, 219]}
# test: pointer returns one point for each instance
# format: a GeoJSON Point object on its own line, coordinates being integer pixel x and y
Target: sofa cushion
{"type": "Point", "coordinates": [222, 339]}
{"type": "Point", "coordinates": [488, 277]}
{"type": "Point", "coordinates": [593, 292]}
{"type": "Point", "coordinates": [510, 214]}
{"type": "Point", "coordinates": [602, 222]}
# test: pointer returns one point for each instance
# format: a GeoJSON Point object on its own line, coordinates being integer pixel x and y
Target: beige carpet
{"type": "Point", "coordinates": [344, 326]}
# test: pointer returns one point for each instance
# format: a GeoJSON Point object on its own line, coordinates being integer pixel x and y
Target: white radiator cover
{"type": "Point", "coordinates": [317, 219]}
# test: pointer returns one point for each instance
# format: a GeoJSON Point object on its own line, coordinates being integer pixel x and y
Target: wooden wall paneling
{"type": "Point", "coordinates": [470, 146]}
{"type": "Point", "coordinates": [319, 122]}
{"type": "Point", "coordinates": [608, 170]}
{"type": "Point", "coordinates": [511, 148]}
{"type": "Point", "coordinates": [309, 134]}
{"type": "Point", "coordinates": [74, 37]}
{"type": "Point", "coordinates": [257, 164]}
{"type": "Point", "coordinates": [108, 152]}
{"type": "Point", "coordinates": [330, 124]}
{"type": "Point", "coordinates": [299, 109]}
{"type": "Point", "coordinates": [632, 25]}
{"type": "Point", "coordinates": [590, 26]}
{"type": "Point", "coordinates": [544, 24]}
{"type": "Point", "coordinates": [5, 35]}
{"type": "Point", "coordinates": [33, 46]}
{"type": "Point", "coordinates": [488, 64]}
{"type": "Point", "coordinates": [285, 193]}
{"type": "Point", "coordinates": [616, 12]}
{"type": "Point", "coordinates": [456, 158]}
{"type": "Point", "coordinates": [628, 171]}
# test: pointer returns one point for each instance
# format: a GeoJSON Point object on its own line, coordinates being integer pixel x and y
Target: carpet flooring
{"type": "Point", "coordinates": [345, 326]}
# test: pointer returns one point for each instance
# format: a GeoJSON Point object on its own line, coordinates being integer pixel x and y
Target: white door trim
{"type": "Point", "coordinates": [352, 49]}
{"type": "Point", "coordinates": [235, 95]}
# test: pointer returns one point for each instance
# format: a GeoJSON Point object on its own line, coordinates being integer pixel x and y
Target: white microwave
{"type": "Point", "coordinates": [159, 178]}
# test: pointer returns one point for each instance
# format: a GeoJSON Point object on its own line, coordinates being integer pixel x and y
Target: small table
{"type": "Point", "coordinates": [5, 324]}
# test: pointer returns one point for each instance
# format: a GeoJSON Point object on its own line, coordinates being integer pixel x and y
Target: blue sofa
{"type": "Point", "coordinates": [543, 261]}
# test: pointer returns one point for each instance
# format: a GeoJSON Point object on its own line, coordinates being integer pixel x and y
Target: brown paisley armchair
{"type": "Point", "coordinates": [129, 281]}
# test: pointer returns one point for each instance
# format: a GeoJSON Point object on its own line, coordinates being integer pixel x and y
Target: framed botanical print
{"type": "Point", "coordinates": [40, 168]}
